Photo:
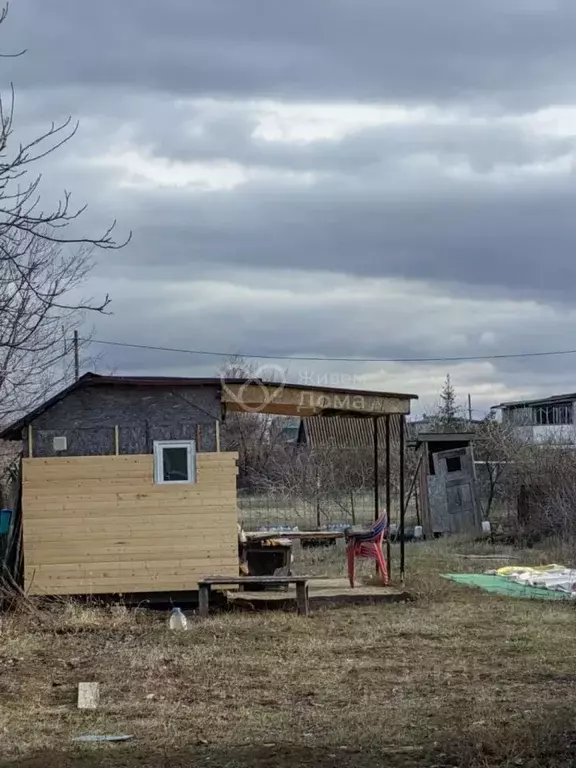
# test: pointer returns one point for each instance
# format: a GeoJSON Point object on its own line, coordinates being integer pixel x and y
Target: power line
{"type": "Point", "coordinates": [455, 359]}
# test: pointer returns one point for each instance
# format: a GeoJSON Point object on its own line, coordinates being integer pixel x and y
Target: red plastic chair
{"type": "Point", "coordinates": [367, 542]}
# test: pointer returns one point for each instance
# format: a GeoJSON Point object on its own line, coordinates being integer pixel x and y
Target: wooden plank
{"type": "Point", "coordinates": [204, 599]}
{"type": "Point", "coordinates": [302, 598]}
{"type": "Point", "coordinates": [224, 579]}
{"type": "Point", "coordinates": [304, 400]}
{"type": "Point", "coordinates": [42, 557]}
{"type": "Point", "coordinates": [52, 493]}
{"type": "Point", "coordinates": [54, 539]}
{"type": "Point", "coordinates": [222, 533]}
{"type": "Point", "coordinates": [79, 583]}
{"type": "Point", "coordinates": [126, 500]}
{"type": "Point", "coordinates": [114, 586]}
{"type": "Point", "coordinates": [119, 468]}
{"type": "Point", "coordinates": [112, 580]}
{"type": "Point", "coordinates": [194, 498]}
{"type": "Point", "coordinates": [128, 509]}
{"type": "Point", "coordinates": [149, 547]}
{"type": "Point", "coordinates": [205, 458]}
{"type": "Point", "coordinates": [115, 567]}
{"type": "Point", "coordinates": [129, 478]}
{"type": "Point", "coordinates": [153, 517]}
{"type": "Point", "coordinates": [129, 525]}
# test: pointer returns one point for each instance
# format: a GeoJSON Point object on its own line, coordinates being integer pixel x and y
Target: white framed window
{"type": "Point", "coordinates": [174, 461]}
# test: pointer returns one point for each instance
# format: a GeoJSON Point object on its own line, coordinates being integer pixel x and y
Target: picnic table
{"type": "Point", "coordinates": [205, 587]}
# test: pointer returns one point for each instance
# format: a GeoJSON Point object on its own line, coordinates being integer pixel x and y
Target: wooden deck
{"type": "Point", "coordinates": [321, 592]}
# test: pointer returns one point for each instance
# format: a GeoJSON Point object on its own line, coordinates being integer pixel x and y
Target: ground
{"type": "Point", "coordinates": [455, 678]}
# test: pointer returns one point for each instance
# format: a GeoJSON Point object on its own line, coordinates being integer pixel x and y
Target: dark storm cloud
{"type": "Point", "coordinates": [513, 52]}
{"type": "Point", "coordinates": [465, 208]}
{"type": "Point", "coordinates": [516, 236]}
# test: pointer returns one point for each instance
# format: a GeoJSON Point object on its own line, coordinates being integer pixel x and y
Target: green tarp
{"type": "Point", "coordinates": [500, 585]}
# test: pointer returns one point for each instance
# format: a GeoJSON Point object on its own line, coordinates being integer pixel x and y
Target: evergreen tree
{"type": "Point", "coordinates": [448, 417]}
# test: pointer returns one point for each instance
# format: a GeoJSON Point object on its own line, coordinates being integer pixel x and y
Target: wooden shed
{"type": "Point", "coordinates": [124, 488]}
{"type": "Point", "coordinates": [448, 483]}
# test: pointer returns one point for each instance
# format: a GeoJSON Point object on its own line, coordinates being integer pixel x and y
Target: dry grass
{"type": "Point", "coordinates": [456, 678]}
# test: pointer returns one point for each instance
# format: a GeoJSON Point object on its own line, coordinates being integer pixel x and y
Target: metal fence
{"type": "Point", "coordinates": [276, 509]}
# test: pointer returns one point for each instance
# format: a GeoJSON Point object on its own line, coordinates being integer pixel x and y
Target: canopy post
{"type": "Point", "coordinates": [388, 491]}
{"type": "Point", "coordinates": [402, 501]}
{"type": "Point", "coordinates": [376, 457]}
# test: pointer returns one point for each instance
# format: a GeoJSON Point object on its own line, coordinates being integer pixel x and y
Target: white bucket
{"type": "Point", "coordinates": [486, 528]}
{"type": "Point", "coordinates": [418, 532]}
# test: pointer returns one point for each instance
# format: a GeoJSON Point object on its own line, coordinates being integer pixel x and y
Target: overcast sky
{"type": "Point", "coordinates": [325, 178]}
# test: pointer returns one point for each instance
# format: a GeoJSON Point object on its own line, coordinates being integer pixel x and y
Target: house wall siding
{"type": "Point", "coordinates": [100, 525]}
{"type": "Point", "coordinates": [88, 417]}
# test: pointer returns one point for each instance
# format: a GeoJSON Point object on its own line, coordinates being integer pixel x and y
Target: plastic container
{"type": "Point", "coordinates": [5, 518]}
{"type": "Point", "coordinates": [418, 532]}
{"type": "Point", "coordinates": [178, 620]}
{"type": "Point", "coordinates": [486, 527]}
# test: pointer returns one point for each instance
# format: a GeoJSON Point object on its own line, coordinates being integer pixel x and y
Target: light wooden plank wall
{"type": "Point", "coordinates": [99, 524]}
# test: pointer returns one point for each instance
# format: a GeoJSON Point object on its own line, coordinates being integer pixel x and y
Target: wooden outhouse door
{"type": "Point", "coordinates": [456, 509]}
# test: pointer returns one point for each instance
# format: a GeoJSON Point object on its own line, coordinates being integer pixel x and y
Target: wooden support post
{"type": "Point", "coordinates": [198, 439]}
{"type": "Point", "coordinates": [402, 501]}
{"type": "Point", "coordinates": [30, 438]}
{"type": "Point", "coordinates": [204, 600]}
{"type": "Point", "coordinates": [414, 478]}
{"type": "Point", "coordinates": [217, 437]}
{"type": "Point", "coordinates": [116, 440]}
{"type": "Point", "coordinates": [376, 462]}
{"type": "Point", "coordinates": [388, 491]}
{"type": "Point", "coordinates": [302, 602]}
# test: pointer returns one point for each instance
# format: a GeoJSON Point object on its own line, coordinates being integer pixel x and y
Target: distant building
{"type": "Point", "coordinates": [549, 419]}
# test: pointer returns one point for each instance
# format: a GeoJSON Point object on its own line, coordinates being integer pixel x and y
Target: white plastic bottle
{"type": "Point", "coordinates": [177, 619]}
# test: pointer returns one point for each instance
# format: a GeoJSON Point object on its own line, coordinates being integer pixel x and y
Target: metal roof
{"type": "Point", "coordinates": [538, 401]}
{"type": "Point", "coordinates": [343, 432]}
{"type": "Point", "coordinates": [13, 431]}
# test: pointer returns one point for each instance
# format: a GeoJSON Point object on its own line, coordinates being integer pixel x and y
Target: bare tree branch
{"type": "Point", "coordinates": [43, 264]}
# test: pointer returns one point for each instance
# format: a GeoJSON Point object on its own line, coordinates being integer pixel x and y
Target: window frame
{"type": "Point", "coordinates": [553, 414]}
{"type": "Point", "coordinates": [159, 446]}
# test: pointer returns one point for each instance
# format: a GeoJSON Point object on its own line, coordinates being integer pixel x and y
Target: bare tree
{"type": "Point", "coordinates": [43, 260]}
{"type": "Point", "coordinates": [256, 436]}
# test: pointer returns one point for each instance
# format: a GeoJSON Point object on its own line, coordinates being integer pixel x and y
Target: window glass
{"type": "Point", "coordinates": [174, 464]}
{"type": "Point", "coordinates": [174, 461]}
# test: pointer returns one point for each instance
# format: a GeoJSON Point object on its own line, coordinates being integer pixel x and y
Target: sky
{"type": "Point", "coordinates": [366, 179]}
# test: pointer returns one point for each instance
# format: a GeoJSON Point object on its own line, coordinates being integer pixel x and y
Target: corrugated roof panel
{"type": "Point", "coordinates": [341, 432]}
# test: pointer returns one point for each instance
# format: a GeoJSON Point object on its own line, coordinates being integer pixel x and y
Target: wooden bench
{"type": "Point", "coordinates": [205, 586]}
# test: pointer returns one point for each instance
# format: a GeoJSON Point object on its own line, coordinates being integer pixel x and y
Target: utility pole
{"type": "Point", "coordinates": [76, 357]}
{"type": "Point", "coordinates": [469, 408]}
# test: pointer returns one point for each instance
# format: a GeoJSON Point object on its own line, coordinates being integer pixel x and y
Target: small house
{"type": "Point", "coordinates": [124, 488]}
{"type": "Point", "coordinates": [543, 420]}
